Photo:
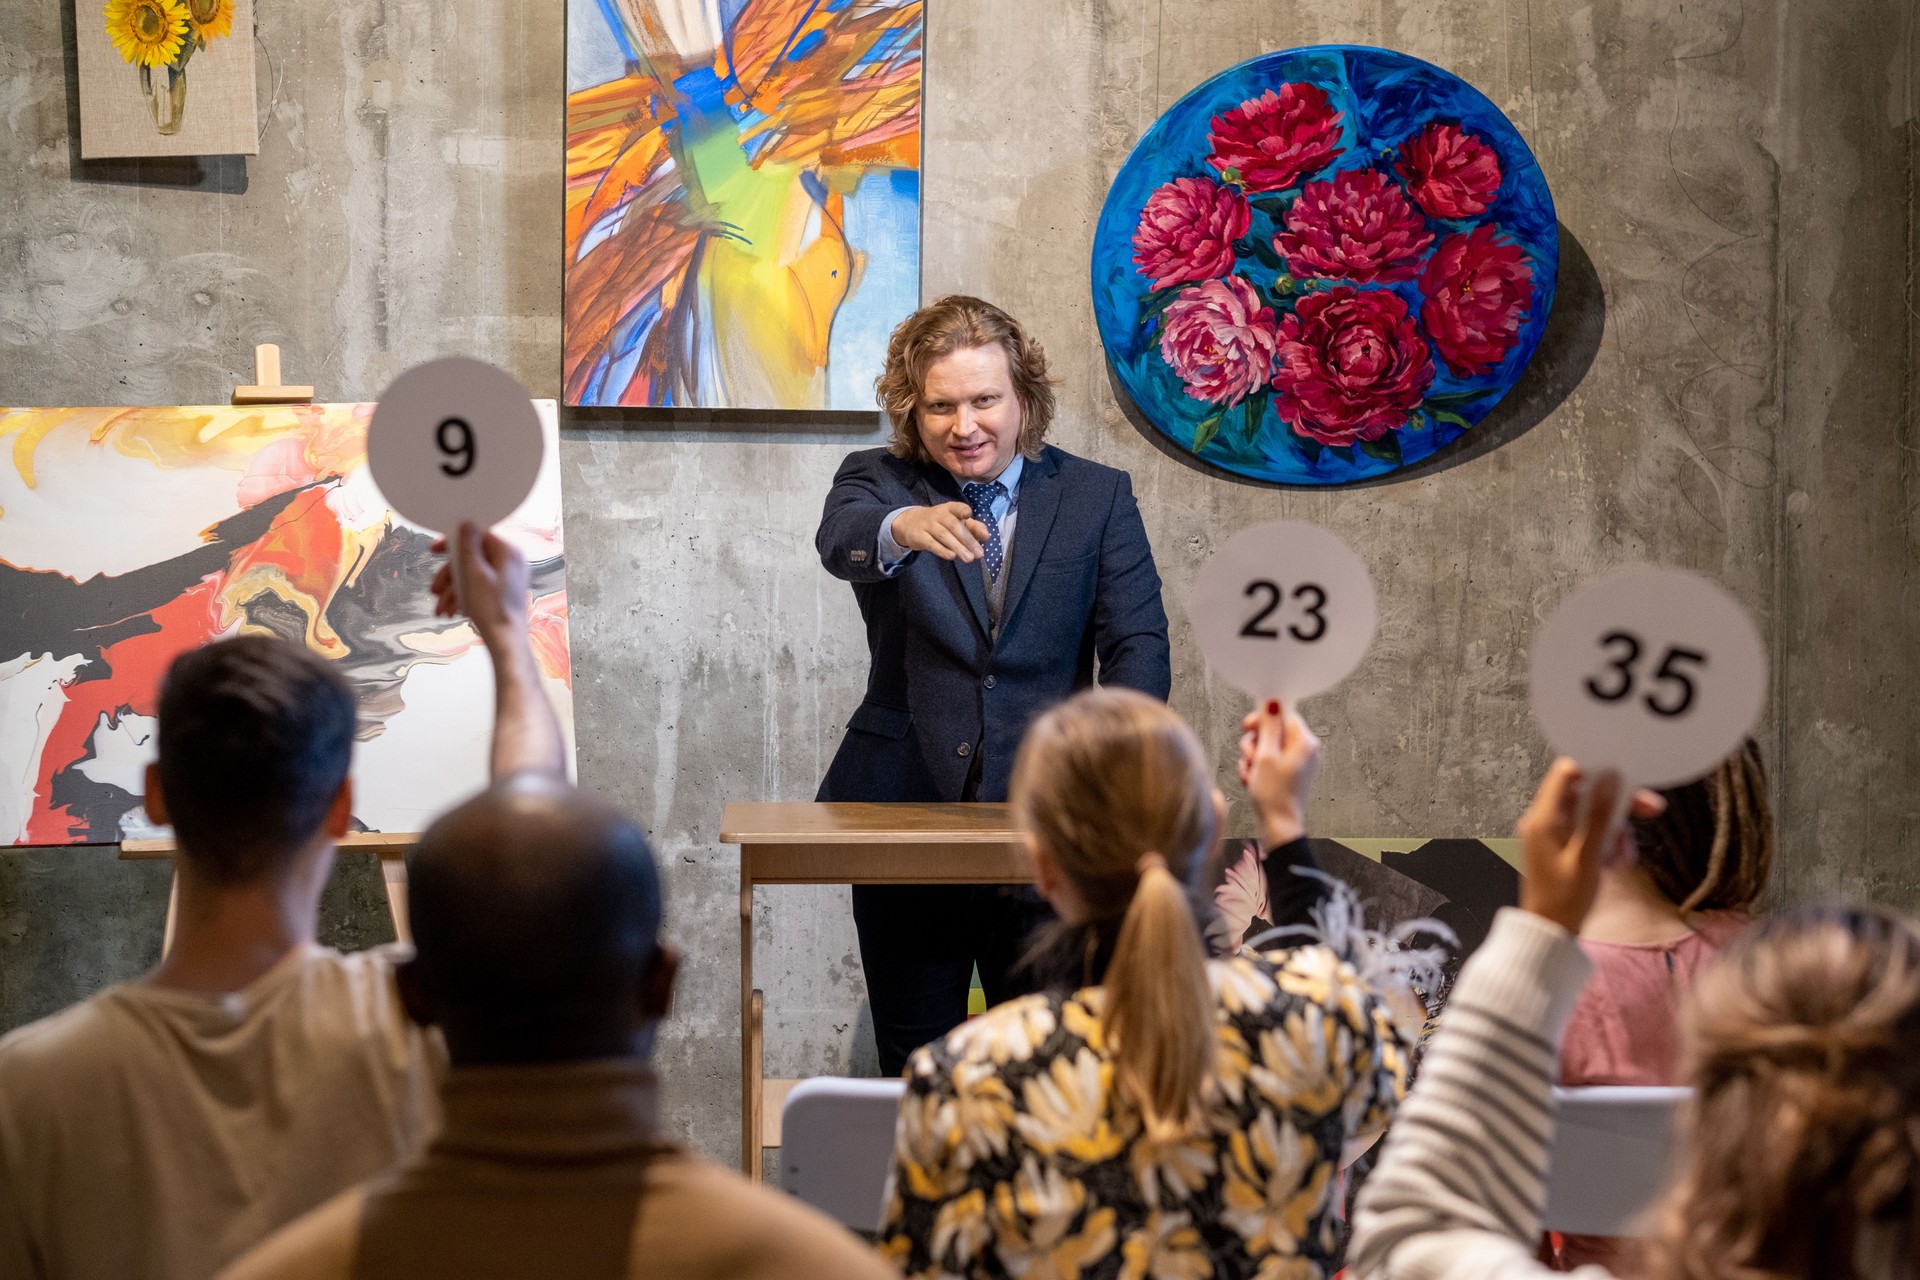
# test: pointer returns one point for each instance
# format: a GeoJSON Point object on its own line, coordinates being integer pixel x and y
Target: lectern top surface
{"type": "Point", "coordinates": [845, 823]}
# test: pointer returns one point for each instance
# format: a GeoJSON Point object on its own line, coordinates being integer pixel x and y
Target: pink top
{"type": "Point", "coordinates": [1625, 1028]}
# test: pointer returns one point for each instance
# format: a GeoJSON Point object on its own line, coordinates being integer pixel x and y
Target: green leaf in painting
{"type": "Point", "coordinates": [1206, 431]}
{"type": "Point", "coordinates": [1256, 410]}
{"type": "Point", "coordinates": [1275, 205]}
{"type": "Point", "coordinates": [1386, 448]}
{"type": "Point", "coordinates": [1307, 447]}
{"type": "Point", "coordinates": [1441, 415]}
{"type": "Point", "coordinates": [1264, 251]}
{"type": "Point", "coordinates": [1157, 301]}
{"type": "Point", "coordinates": [1344, 452]}
{"type": "Point", "coordinates": [1230, 174]}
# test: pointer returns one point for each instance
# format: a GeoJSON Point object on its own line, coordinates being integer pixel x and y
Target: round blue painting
{"type": "Point", "coordinates": [1324, 264]}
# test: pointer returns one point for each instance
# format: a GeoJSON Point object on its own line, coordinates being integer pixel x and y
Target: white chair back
{"type": "Point", "coordinates": [1612, 1149]}
{"type": "Point", "coordinates": [836, 1145]}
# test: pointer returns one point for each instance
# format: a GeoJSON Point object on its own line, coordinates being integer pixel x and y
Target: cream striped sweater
{"type": "Point", "coordinates": [1462, 1182]}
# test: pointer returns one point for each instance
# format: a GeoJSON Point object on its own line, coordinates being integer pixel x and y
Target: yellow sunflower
{"type": "Point", "coordinates": [210, 19]}
{"type": "Point", "coordinates": [148, 33]}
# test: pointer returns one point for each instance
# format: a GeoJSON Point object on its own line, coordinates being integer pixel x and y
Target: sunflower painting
{"type": "Point", "coordinates": [138, 63]}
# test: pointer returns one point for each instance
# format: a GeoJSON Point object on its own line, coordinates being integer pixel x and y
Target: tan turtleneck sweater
{"type": "Point", "coordinates": [558, 1172]}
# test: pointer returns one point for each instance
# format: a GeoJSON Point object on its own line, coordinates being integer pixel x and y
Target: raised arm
{"type": "Point", "coordinates": [492, 587]}
{"type": "Point", "coordinates": [1462, 1183]}
{"type": "Point", "coordinates": [1279, 756]}
{"type": "Point", "coordinates": [1129, 622]}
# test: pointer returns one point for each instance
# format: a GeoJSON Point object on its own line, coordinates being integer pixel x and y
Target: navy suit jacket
{"type": "Point", "coordinates": [939, 689]}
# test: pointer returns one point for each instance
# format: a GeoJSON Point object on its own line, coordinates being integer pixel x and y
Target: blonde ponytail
{"type": "Point", "coordinates": [1117, 791]}
{"type": "Point", "coordinates": [1159, 1005]}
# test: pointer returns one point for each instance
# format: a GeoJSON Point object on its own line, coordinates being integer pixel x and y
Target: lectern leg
{"type": "Point", "coordinates": [750, 1007]}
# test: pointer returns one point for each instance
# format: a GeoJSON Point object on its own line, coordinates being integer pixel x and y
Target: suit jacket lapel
{"type": "Point", "coordinates": [937, 487]}
{"type": "Point", "coordinates": [1039, 501]}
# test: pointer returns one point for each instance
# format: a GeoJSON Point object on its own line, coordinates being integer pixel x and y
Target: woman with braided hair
{"type": "Point", "coordinates": [1661, 916]}
{"type": "Point", "coordinates": [1799, 1150]}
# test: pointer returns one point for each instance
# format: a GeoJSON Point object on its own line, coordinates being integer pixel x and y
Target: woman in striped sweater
{"type": "Point", "coordinates": [1803, 1048]}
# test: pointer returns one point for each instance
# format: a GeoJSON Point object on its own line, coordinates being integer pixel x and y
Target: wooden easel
{"type": "Point", "coordinates": [267, 389]}
{"type": "Point", "coordinates": [391, 849]}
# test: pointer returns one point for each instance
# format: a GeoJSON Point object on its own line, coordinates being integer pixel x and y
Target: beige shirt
{"type": "Point", "coordinates": [154, 1134]}
{"type": "Point", "coordinates": [558, 1173]}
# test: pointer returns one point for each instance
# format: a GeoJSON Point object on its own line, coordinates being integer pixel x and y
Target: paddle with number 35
{"type": "Point", "coordinates": [1656, 673]}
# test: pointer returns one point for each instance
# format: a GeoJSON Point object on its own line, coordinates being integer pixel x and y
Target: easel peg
{"type": "Point", "coordinates": [267, 388]}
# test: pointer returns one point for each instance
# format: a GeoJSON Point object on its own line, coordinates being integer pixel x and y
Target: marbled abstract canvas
{"type": "Point", "coordinates": [742, 200]}
{"type": "Point", "coordinates": [128, 536]}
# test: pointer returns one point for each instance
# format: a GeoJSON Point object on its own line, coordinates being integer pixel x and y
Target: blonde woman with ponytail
{"type": "Point", "coordinates": [1151, 1113]}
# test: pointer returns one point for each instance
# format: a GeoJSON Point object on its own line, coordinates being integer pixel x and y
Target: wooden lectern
{"type": "Point", "coordinates": [849, 844]}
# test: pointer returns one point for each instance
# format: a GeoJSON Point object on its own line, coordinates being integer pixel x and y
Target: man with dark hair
{"type": "Point", "coordinates": [164, 1126]}
{"type": "Point", "coordinates": [536, 914]}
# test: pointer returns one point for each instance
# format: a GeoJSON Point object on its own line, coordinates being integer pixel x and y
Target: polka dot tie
{"type": "Point", "coordinates": [981, 498]}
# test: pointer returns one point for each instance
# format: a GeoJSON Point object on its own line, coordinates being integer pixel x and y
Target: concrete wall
{"type": "Point", "coordinates": [1728, 385]}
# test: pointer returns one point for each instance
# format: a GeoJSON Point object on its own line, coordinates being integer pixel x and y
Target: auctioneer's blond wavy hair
{"type": "Point", "coordinates": [956, 323]}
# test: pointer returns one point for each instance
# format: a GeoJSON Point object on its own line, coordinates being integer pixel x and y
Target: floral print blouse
{"type": "Point", "coordinates": [1016, 1156]}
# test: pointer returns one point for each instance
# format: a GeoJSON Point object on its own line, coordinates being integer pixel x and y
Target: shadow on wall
{"type": "Point", "coordinates": [1566, 352]}
{"type": "Point", "coordinates": [222, 175]}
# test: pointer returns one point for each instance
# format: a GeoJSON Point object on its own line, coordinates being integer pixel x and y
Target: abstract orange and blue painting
{"type": "Point", "coordinates": [743, 199]}
{"type": "Point", "coordinates": [129, 536]}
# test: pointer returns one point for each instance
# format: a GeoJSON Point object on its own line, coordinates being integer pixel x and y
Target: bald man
{"type": "Point", "coordinates": [536, 919]}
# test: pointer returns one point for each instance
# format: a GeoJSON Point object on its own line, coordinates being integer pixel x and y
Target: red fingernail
{"type": "Point", "coordinates": [1273, 708]}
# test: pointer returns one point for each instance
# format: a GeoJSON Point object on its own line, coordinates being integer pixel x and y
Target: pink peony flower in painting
{"type": "Point", "coordinates": [1351, 366]}
{"type": "Point", "coordinates": [1187, 232]}
{"type": "Point", "coordinates": [1218, 337]}
{"type": "Point", "coordinates": [1449, 172]}
{"type": "Point", "coordinates": [1357, 225]}
{"type": "Point", "coordinates": [1477, 289]}
{"type": "Point", "coordinates": [1272, 141]}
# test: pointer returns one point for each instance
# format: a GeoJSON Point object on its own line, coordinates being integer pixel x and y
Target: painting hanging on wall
{"type": "Point", "coordinates": [742, 200]}
{"type": "Point", "coordinates": [1324, 264]}
{"type": "Point", "coordinates": [128, 536]}
{"type": "Point", "coordinates": [166, 78]}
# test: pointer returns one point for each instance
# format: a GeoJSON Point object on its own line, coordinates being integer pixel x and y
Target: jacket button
{"type": "Point", "coordinates": [964, 749]}
{"type": "Point", "coordinates": [988, 682]}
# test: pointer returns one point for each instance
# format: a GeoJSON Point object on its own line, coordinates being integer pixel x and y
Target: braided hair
{"type": "Point", "coordinates": [1712, 849]}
